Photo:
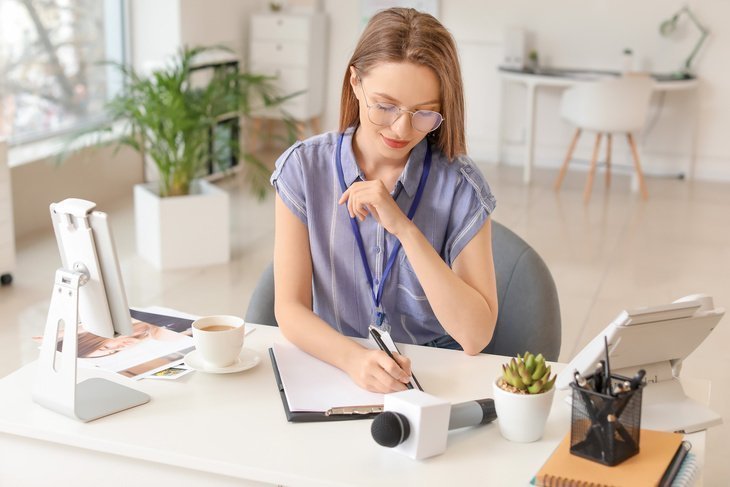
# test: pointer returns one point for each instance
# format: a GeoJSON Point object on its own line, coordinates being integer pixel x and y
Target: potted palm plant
{"type": "Point", "coordinates": [182, 220]}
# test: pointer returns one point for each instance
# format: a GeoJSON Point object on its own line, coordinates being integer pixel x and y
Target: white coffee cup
{"type": "Point", "coordinates": [219, 339]}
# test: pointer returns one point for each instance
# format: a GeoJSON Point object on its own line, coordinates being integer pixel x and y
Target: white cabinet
{"type": "Point", "coordinates": [293, 48]}
{"type": "Point", "coordinates": [7, 233]}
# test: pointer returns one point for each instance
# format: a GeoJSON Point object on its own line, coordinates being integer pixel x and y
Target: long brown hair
{"type": "Point", "coordinates": [407, 35]}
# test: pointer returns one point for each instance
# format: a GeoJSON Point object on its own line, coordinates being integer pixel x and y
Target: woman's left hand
{"type": "Point", "coordinates": [371, 197]}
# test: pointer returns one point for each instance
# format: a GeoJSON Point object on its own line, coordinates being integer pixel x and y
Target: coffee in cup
{"type": "Point", "coordinates": [219, 339]}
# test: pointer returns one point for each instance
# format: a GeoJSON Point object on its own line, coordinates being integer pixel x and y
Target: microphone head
{"type": "Point", "coordinates": [390, 429]}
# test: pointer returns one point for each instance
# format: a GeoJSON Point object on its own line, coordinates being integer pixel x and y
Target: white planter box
{"type": "Point", "coordinates": [182, 231]}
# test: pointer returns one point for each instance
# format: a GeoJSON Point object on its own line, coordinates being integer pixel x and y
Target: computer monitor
{"type": "Point", "coordinates": [88, 290]}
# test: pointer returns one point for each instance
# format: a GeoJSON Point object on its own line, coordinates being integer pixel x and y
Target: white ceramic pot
{"type": "Point", "coordinates": [183, 231]}
{"type": "Point", "coordinates": [522, 417]}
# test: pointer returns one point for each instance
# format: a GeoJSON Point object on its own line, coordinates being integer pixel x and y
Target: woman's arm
{"type": "Point", "coordinates": [371, 369]}
{"type": "Point", "coordinates": [464, 299]}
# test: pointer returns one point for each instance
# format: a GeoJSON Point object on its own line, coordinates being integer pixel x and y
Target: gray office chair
{"type": "Point", "coordinates": [529, 311]}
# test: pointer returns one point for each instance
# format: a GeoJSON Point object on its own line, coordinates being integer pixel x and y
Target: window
{"type": "Point", "coordinates": [52, 79]}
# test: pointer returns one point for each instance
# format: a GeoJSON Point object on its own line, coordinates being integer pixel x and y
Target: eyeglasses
{"type": "Point", "coordinates": [385, 114]}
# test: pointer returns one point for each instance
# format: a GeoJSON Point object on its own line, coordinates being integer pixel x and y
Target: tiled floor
{"type": "Point", "coordinates": [614, 253]}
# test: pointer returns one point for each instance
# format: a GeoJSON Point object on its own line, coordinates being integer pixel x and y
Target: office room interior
{"type": "Point", "coordinates": [608, 251]}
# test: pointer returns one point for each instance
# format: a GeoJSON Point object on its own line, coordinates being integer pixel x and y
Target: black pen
{"type": "Point", "coordinates": [376, 336]}
{"type": "Point", "coordinates": [580, 380]}
{"type": "Point", "coordinates": [637, 379]}
{"type": "Point", "coordinates": [607, 370]}
{"type": "Point", "coordinates": [598, 377]}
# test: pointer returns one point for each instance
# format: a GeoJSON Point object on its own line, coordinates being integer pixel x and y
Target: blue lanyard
{"type": "Point", "coordinates": [378, 295]}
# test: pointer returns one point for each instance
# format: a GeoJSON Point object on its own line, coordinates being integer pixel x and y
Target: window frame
{"type": "Point", "coordinates": [32, 147]}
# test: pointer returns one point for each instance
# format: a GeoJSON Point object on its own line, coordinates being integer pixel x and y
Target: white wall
{"type": "Point", "coordinates": [154, 31]}
{"type": "Point", "coordinates": [160, 27]}
{"type": "Point", "coordinates": [567, 33]}
{"type": "Point", "coordinates": [98, 174]}
{"type": "Point", "coordinates": [578, 34]}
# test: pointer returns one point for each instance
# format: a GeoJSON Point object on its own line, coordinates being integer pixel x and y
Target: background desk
{"type": "Point", "coordinates": [216, 430]}
{"type": "Point", "coordinates": [565, 79]}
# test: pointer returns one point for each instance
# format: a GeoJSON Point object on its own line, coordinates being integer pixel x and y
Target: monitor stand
{"type": "Point", "coordinates": [55, 387]}
{"type": "Point", "coordinates": [666, 407]}
{"type": "Point", "coordinates": [664, 404]}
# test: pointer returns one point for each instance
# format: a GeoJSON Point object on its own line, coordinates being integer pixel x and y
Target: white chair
{"type": "Point", "coordinates": [606, 107]}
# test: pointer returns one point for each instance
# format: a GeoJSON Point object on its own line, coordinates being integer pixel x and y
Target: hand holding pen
{"type": "Point", "coordinates": [385, 374]}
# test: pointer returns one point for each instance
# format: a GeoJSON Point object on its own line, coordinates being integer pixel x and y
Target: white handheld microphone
{"type": "Point", "coordinates": [416, 423]}
{"type": "Point", "coordinates": [391, 428]}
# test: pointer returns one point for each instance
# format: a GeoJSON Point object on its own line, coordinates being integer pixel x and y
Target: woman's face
{"type": "Point", "coordinates": [407, 86]}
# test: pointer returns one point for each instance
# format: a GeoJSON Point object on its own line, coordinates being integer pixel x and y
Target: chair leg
{"type": "Point", "coordinates": [568, 157]}
{"type": "Point", "coordinates": [592, 172]}
{"type": "Point", "coordinates": [637, 166]}
{"type": "Point", "coordinates": [608, 161]}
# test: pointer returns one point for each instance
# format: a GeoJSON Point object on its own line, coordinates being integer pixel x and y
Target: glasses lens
{"type": "Point", "coordinates": [383, 113]}
{"type": "Point", "coordinates": [426, 120]}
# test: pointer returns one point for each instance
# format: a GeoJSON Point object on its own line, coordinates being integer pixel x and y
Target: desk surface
{"type": "Point", "coordinates": [563, 77]}
{"type": "Point", "coordinates": [233, 427]}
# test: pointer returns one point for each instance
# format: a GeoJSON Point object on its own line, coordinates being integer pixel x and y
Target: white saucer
{"type": "Point", "coordinates": [246, 360]}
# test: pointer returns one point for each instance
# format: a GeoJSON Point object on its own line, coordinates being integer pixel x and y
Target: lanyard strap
{"type": "Point", "coordinates": [378, 296]}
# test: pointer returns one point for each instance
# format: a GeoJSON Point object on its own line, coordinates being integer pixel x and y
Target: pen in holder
{"type": "Point", "coordinates": [605, 423]}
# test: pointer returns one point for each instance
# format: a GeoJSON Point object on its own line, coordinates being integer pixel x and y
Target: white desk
{"type": "Point", "coordinates": [216, 430]}
{"type": "Point", "coordinates": [533, 81]}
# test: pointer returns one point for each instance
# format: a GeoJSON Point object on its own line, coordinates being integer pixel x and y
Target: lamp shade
{"type": "Point", "coordinates": [668, 27]}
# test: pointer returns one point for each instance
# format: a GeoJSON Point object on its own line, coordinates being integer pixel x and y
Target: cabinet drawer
{"type": "Point", "coordinates": [280, 27]}
{"type": "Point", "coordinates": [286, 53]}
{"type": "Point", "coordinates": [288, 80]}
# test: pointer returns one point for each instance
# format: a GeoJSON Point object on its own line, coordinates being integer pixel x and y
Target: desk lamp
{"type": "Point", "coordinates": [668, 27]}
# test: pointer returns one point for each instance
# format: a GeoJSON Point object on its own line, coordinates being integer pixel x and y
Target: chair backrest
{"type": "Point", "coordinates": [261, 306]}
{"type": "Point", "coordinates": [529, 311]}
{"type": "Point", "coordinates": [610, 105]}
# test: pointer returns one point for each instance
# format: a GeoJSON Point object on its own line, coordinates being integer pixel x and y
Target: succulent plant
{"type": "Point", "coordinates": [527, 374]}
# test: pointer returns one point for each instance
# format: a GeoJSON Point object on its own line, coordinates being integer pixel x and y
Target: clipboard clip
{"type": "Point", "coordinates": [372, 409]}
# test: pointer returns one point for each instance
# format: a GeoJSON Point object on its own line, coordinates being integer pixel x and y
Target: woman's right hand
{"type": "Point", "coordinates": [375, 371]}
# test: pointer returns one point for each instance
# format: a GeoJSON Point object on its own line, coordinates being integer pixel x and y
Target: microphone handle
{"type": "Point", "coordinates": [472, 413]}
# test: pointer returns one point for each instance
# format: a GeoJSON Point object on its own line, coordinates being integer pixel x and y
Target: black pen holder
{"type": "Point", "coordinates": [605, 427]}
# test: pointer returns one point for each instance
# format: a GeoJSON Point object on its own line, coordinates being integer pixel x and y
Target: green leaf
{"type": "Point", "coordinates": [170, 119]}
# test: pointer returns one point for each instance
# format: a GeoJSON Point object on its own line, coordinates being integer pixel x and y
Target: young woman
{"type": "Point", "coordinates": [386, 222]}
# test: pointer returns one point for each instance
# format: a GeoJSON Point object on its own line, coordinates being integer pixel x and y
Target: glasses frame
{"type": "Point", "coordinates": [400, 112]}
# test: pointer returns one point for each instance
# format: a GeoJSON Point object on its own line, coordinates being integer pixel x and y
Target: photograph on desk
{"type": "Point", "coordinates": [155, 344]}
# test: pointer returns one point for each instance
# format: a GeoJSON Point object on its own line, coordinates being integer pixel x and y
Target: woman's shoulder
{"type": "Point", "coordinates": [312, 149]}
{"type": "Point", "coordinates": [460, 168]}
{"type": "Point", "coordinates": [466, 175]}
